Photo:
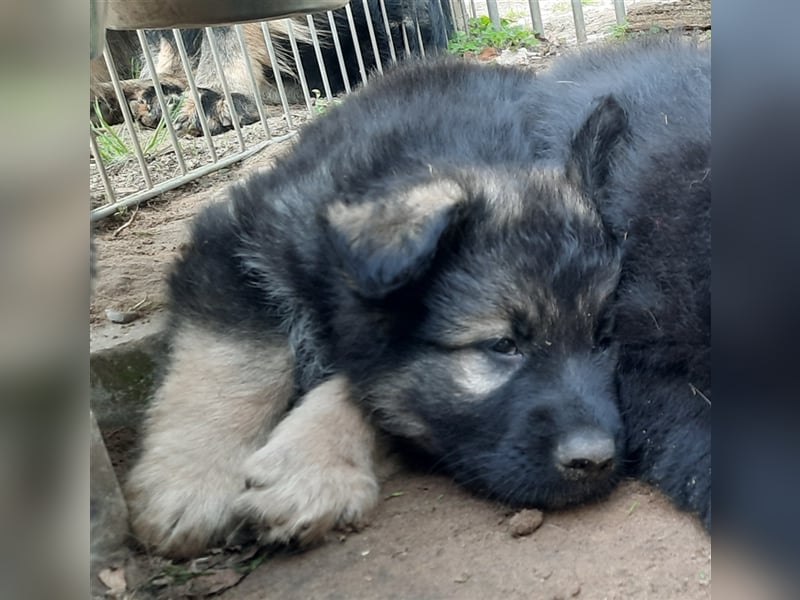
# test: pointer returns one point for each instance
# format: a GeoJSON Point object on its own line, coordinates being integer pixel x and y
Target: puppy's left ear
{"type": "Point", "coordinates": [594, 145]}
{"type": "Point", "coordinates": [385, 243]}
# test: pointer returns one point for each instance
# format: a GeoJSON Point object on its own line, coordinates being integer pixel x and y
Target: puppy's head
{"type": "Point", "coordinates": [472, 320]}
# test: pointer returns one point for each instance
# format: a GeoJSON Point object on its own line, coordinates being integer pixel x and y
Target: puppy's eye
{"type": "Point", "coordinates": [603, 344]}
{"type": "Point", "coordinates": [505, 346]}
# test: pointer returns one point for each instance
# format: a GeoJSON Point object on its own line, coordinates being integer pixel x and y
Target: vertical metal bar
{"type": "Point", "coordinates": [356, 43]}
{"type": "Point", "coordinates": [126, 115]}
{"type": "Point", "coordinates": [494, 12]}
{"type": "Point", "coordinates": [405, 39]}
{"type": "Point", "coordinates": [318, 51]}
{"type": "Point", "coordinates": [162, 102]}
{"type": "Point", "coordinates": [256, 90]}
{"type": "Point", "coordinates": [419, 35]}
{"type": "Point", "coordinates": [388, 31]}
{"type": "Point", "coordinates": [463, 26]}
{"type": "Point", "coordinates": [338, 47]}
{"type": "Point", "coordinates": [212, 43]}
{"type": "Point", "coordinates": [198, 103]}
{"type": "Point", "coordinates": [299, 63]}
{"type": "Point", "coordinates": [101, 168]}
{"type": "Point", "coordinates": [442, 20]}
{"type": "Point", "coordinates": [580, 26]}
{"type": "Point", "coordinates": [619, 11]}
{"type": "Point", "coordinates": [472, 6]}
{"type": "Point", "coordinates": [536, 16]}
{"type": "Point", "coordinates": [273, 60]}
{"type": "Point", "coordinates": [368, 16]}
{"type": "Point", "coordinates": [451, 9]}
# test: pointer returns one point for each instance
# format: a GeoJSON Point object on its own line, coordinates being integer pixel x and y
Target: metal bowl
{"type": "Point", "coordinates": [165, 14]}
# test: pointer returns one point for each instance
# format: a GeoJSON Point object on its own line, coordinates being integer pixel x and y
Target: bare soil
{"type": "Point", "coordinates": [436, 541]}
{"type": "Point", "coordinates": [428, 538]}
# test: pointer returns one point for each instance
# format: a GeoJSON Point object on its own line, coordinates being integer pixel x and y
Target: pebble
{"type": "Point", "coordinates": [525, 522]}
{"type": "Point", "coordinates": [122, 316]}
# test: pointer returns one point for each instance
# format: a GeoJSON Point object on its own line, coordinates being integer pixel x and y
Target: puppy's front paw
{"type": "Point", "coordinates": [179, 512]}
{"type": "Point", "coordinates": [298, 493]}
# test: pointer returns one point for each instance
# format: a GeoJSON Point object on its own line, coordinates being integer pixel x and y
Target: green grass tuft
{"type": "Point", "coordinates": [481, 33]}
{"type": "Point", "coordinates": [114, 147]}
{"type": "Point", "coordinates": [321, 104]}
{"type": "Point", "coordinates": [619, 31]}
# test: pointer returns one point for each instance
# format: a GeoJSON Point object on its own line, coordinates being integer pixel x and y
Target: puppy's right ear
{"type": "Point", "coordinates": [594, 145]}
{"type": "Point", "coordinates": [386, 243]}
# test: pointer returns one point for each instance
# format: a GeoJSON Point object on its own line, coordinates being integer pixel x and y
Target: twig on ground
{"type": "Point", "coordinates": [127, 223]}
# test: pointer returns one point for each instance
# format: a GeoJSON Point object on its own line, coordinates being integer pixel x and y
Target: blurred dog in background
{"type": "Point", "coordinates": [415, 27]}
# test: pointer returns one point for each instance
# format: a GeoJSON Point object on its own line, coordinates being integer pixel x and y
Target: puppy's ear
{"type": "Point", "coordinates": [594, 145]}
{"type": "Point", "coordinates": [386, 243]}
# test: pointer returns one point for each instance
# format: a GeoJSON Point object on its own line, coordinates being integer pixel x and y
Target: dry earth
{"type": "Point", "coordinates": [428, 538]}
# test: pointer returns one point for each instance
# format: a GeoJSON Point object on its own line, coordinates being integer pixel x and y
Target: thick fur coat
{"type": "Point", "coordinates": [509, 272]}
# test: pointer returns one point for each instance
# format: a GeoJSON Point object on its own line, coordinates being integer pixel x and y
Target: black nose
{"type": "Point", "coordinates": [586, 453]}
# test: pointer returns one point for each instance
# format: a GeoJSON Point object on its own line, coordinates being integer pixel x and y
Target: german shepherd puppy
{"type": "Point", "coordinates": [415, 27]}
{"type": "Point", "coordinates": [509, 272]}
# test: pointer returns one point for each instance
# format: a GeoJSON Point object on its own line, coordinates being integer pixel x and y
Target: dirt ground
{"type": "Point", "coordinates": [428, 538]}
{"type": "Point", "coordinates": [436, 541]}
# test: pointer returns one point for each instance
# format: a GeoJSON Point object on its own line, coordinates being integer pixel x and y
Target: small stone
{"type": "Point", "coordinates": [121, 316]}
{"type": "Point", "coordinates": [525, 522]}
{"type": "Point", "coordinates": [463, 578]}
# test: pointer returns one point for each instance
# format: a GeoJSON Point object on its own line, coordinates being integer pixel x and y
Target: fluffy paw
{"type": "Point", "coordinates": [215, 108]}
{"type": "Point", "coordinates": [299, 494]}
{"type": "Point", "coordinates": [176, 512]}
{"type": "Point", "coordinates": [144, 104]}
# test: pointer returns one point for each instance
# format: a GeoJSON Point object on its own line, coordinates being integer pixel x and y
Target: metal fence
{"type": "Point", "coordinates": [129, 164]}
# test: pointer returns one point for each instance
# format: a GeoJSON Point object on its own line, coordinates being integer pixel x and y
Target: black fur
{"type": "Point", "coordinates": [552, 233]}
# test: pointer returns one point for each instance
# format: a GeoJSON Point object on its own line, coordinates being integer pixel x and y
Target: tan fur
{"type": "Point", "coordinates": [238, 78]}
{"type": "Point", "coordinates": [397, 218]}
{"type": "Point", "coordinates": [316, 472]}
{"type": "Point", "coordinates": [279, 30]}
{"type": "Point", "coordinates": [219, 401]}
{"type": "Point", "coordinates": [477, 375]}
{"type": "Point", "coordinates": [479, 328]}
{"type": "Point", "coordinates": [168, 61]}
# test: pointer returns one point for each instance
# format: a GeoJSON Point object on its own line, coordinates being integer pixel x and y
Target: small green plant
{"type": "Point", "coordinates": [619, 31]}
{"type": "Point", "coordinates": [321, 105]}
{"type": "Point", "coordinates": [160, 132]}
{"type": "Point", "coordinates": [136, 68]}
{"type": "Point", "coordinates": [110, 145]}
{"type": "Point", "coordinates": [481, 33]}
{"type": "Point", "coordinates": [113, 147]}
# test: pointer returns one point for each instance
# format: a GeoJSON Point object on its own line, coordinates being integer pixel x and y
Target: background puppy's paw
{"type": "Point", "coordinates": [175, 514]}
{"type": "Point", "coordinates": [217, 114]}
{"type": "Point", "coordinates": [293, 495]}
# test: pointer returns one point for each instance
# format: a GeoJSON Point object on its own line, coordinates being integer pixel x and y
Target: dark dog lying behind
{"type": "Point", "coordinates": [432, 16]}
{"type": "Point", "coordinates": [509, 272]}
